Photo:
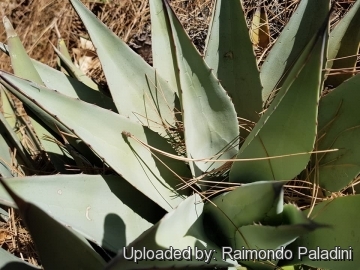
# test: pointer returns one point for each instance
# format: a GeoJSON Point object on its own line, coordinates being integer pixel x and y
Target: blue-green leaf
{"type": "Point", "coordinates": [303, 25]}
{"type": "Point", "coordinates": [339, 128]}
{"type": "Point", "coordinates": [138, 91]}
{"type": "Point", "coordinates": [340, 214]}
{"type": "Point", "coordinates": [116, 142]}
{"type": "Point", "coordinates": [58, 247]}
{"type": "Point", "coordinates": [101, 208]}
{"type": "Point", "coordinates": [230, 54]}
{"type": "Point", "coordinates": [210, 122]}
{"type": "Point", "coordinates": [10, 262]}
{"type": "Point", "coordinates": [280, 131]}
{"type": "Point", "coordinates": [181, 229]}
{"type": "Point", "coordinates": [344, 45]}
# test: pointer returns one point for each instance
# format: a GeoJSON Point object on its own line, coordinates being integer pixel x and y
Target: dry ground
{"type": "Point", "coordinates": [36, 21]}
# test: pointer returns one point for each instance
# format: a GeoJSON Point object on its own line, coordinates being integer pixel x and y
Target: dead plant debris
{"type": "Point", "coordinates": [15, 238]}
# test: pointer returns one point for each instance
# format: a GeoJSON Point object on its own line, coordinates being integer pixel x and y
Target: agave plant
{"type": "Point", "coordinates": [159, 203]}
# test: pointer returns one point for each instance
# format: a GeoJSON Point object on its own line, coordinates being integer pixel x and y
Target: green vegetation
{"type": "Point", "coordinates": [193, 153]}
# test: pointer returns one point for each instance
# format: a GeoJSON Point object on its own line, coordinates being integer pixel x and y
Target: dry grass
{"type": "Point", "coordinates": [35, 21]}
{"type": "Point", "coordinates": [15, 238]}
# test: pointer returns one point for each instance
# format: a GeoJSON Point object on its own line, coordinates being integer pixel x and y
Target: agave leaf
{"type": "Point", "coordinates": [162, 44]}
{"type": "Point", "coordinates": [10, 262]}
{"type": "Point", "coordinates": [297, 267]}
{"type": "Point", "coordinates": [11, 119]}
{"type": "Point", "coordinates": [344, 43]}
{"type": "Point", "coordinates": [71, 87]}
{"type": "Point", "coordinates": [138, 92]}
{"type": "Point", "coordinates": [280, 131]}
{"type": "Point", "coordinates": [243, 206]}
{"type": "Point", "coordinates": [12, 154]}
{"type": "Point", "coordinates": [303, 25]}
{"type": "Point", "coordinates": [294, 224]}
{"type": "Point", "coordinates": [8, 123]}
{"type": "Point", "coordinates": [7, 109]}
{"type": "Point", "coordinates": [234, 65]}
{"type": "Point", "coordinates": [259, 30]}
{"type": "Point", "coordinates": [61, 83]}
{"type": "Point", "coordinates": [23, 67]}
{"type": "Point", "coordinates": [37, 113]}
{"type": "Point", "coordinates": [20, 61]}
{"type": "Point", "coordinates": [339, 127]}
{"type": "Point", "coordinates": [292, 267]}
{"type": "Point", "coordinates": [292, 215]}
{"type": "Point", "coordinates": [269, 238]}
{"type": "Point", "coordinates": [10, 140]}
{"type": "Point", "coordinates": [76, 72]}
{"type": "Point", "coordinates": [209, 117]}
{"type": "Point", "coordinates": [101, 208]}
{"type": "Point", "coordinates": [54, 150]}
{"type": "Point", "coordinates": [61, 46]}
{"type": "Point", "coordinates": [5, 157]}
{"type": "Point", "coordinates": [180, 229]}
{"type": "Point", "coordinates": [58, 247]}
{"type": "Point", "coordinates": [4, 215]}
{"type": "Point", "coordinates": [125, 155]}
{"type": "Point", "coordinates": [343, 232]}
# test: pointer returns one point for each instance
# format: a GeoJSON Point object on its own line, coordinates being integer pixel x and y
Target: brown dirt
{"type": "Point", "coordinates": [34, 22]}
